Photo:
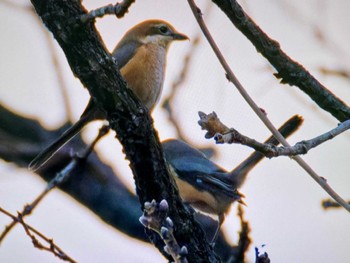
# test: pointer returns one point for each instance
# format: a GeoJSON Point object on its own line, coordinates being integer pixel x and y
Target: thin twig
{"type": "Point", "coordinates": [52, 247]}
{"type": "Point", "coordinates": [239, 174]}
{"type": "Point", "coordinates": [178, 82]}
{"type": "Point", "coordinates": [167, 103]}
{"type": "Point", "coordinates": [60, 177]}
{"type": "Point", "coordinates": [118, 9]}
{"type": "Point", "coordinates": [244, 239]}
{"type": "Point", "coordinates": [326, 204]}
{"type": "Point", "coordinates": [306, 21]}
{"type": "Point", "coordinates": [269, 150]}
{"type": "Point", "coordinates": [53, 53]}
{"type": "Point", "coordinates": [345, 73]}
{"type": "Point", "coordinates": [231, 76]}
{"type": "Point", "coordinates": [59, 73]}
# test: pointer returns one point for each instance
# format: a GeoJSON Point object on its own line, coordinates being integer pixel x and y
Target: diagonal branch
{"type": "Point", "coordinates": [119, 10]}
{"type": "Point", "coordinates": [231, 76]}
{"type": "Point", "coordinates": [52, 247]}
{"type": "Point", "coordinates": [288, 70]}
{"type": "Point", "coordinates": [60, 177]}
{"type": "Point", "coordinates": [95, 68]}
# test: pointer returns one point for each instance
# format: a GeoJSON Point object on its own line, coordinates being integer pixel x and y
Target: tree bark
{"type": "Point", "coordinates": [93, 65]}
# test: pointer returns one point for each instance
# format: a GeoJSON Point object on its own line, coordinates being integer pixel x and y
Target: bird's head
{"type": "Point", "coordinates": [157, 32]}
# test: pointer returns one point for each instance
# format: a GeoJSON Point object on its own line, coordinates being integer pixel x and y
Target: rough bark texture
{"type": "Point", "coordinates": [92, 64]}
{"type": "Point", "coordinates": [93, 184]}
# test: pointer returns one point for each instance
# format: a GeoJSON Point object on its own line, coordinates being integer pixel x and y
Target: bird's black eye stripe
{"type": "Point", "coordinates": [163, 29]}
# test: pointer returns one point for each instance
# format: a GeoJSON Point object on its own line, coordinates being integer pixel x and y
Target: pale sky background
{"type": "Point", "coordinates": [283, 201]}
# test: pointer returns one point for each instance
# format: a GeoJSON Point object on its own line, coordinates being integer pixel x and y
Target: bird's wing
{"type": "Point", "coordinates": [214, 183]}
{"type": "Point", "coordinates": [196, 169]}
{"type": "Point", "coordinates": [124, 52]}
{"type": "Point", "coordinates": [186, 158]}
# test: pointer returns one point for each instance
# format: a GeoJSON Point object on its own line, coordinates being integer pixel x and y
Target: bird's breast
{"type": "Point", "coordinates": [145, 72]}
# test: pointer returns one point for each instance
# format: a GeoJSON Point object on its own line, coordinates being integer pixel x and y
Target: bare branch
{"type": "Point", "coordinates": [52, 51]}
{"type": "Point", "coordinates": [289, 71]}
{"type": "Point", "coordinates": [51, 247]}
{"type": "Point", "coordinates": [222, 134]}
{"type": "Point", "coordinates": [167, 104]}
{"type": "Point", "coordinates": [118, 9]}
{"type": "Point", "coordinates": [61, 177]}
{"type": "Point", "coordinates": [212, 124]}
{"type": "Point", "coordinates": [239, 174]}
{"type": "Point", "coordinates": [98, 72]}
{"type": "Point", "coordinates": [327, 204]}
{"type": "Point", "coordinates": [231, 76]}
{"type": "Point", "coordinates": [20, 148]}
{"type": "Point", "coordinates": [183, 75]}
{"type": "Point", "coordinates": [345, 73]}
{"type": "Point", "coordinates": [244, 239]}
{"type": "Point", "coordinates": [59, 74]}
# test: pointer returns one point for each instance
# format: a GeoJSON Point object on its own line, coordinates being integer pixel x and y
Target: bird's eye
{"type": "Point", "coordinates": [163, 29]}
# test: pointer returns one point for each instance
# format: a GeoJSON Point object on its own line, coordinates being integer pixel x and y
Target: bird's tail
{"type": "Point", "coordinates": [238, 175]}
{"type": "Point", "coordinates": [47, 153]}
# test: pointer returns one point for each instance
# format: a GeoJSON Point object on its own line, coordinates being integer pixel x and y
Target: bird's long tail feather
{"type": "Point", "coordinates": [47, 153]}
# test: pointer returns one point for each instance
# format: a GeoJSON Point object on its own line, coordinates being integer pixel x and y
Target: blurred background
{"type": "Point", "coordinates": [284, 203]}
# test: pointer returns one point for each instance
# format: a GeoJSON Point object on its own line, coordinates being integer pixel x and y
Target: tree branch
{"type": "Point", "coordinates": [222, 134]}
{"type": "Point", "coordinates": [60, 177]}
{"type": "Point", "coordinates": [93, 65]}
{"type": "Point", "coordinates": [119, 10]}
{"type": "Point", "coordinates": [231, 77]}
{"type": "Point", "coordinates": [21, 139]}
{"type": "Point", "coordinates": [52, 247]}
{"type": "Point", "coordinates": [288, 70]}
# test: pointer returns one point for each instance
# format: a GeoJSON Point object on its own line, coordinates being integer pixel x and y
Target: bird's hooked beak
{"type": "Point", "coordinates": [179, 36]}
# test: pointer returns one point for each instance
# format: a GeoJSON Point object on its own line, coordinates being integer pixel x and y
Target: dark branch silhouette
{"type": "Point", "coordinates": [288, 70]}
{"type": "Point", "coordinates": [95, 68]}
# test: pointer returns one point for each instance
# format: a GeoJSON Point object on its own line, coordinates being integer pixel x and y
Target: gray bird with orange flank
{"type": "Point", "coordinates": [206, 186]}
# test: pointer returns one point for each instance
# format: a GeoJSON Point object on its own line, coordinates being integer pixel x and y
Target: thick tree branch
{"type": "Point", "coordinates": [288, 70]}
{"type": "Point", "coordinates": [93, 65]}
{"type": "Point", "coordinates": [21, 139]}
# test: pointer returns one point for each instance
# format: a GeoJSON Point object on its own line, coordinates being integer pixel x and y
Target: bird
{"type": "Point", "coordinates": [206, 186]}
{"type": "Point", "coordinates": [141, 58]}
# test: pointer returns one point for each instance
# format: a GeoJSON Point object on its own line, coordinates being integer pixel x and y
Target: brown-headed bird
{"type": "Point", "coordinates": [141, 59]}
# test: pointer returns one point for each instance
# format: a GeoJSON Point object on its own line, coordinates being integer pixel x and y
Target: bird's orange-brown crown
{"type": "Point", "coordinates": [154, 31]}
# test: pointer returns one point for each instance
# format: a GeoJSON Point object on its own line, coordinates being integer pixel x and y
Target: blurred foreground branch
{"type": "Point", "coordinates": [21, 139]}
